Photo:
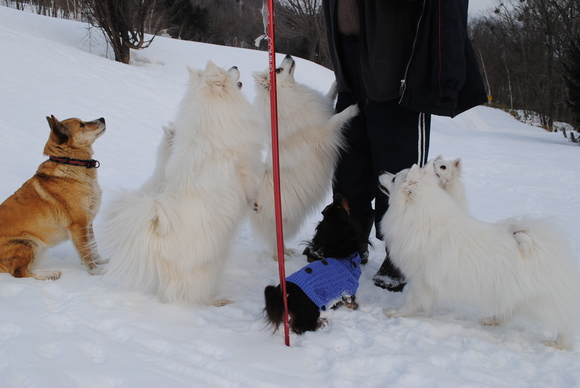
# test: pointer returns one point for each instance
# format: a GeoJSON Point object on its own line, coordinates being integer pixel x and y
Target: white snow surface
{"type": "Point", "coordinates": [79, 331]}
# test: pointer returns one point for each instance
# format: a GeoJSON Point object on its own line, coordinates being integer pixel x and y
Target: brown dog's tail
{"type": "Point", "coordinates": [274, 309]}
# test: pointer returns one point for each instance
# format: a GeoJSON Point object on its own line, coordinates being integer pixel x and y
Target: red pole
{"type": "Point", "coordinates": [276, 166]}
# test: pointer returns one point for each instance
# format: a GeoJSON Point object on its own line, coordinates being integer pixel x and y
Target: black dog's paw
{"type": "Point", "coordinates": [350, 302]}
{"type": "Point", "coordinates": [311, 256]}
{"type": "Point", "coordinates": [322, 323]}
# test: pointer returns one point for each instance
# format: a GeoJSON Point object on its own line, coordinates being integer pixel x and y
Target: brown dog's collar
{"type": "Point", "coordinates": [76, 162]}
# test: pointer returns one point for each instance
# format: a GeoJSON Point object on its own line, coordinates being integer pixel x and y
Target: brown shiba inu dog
{"type": "Point", "coordinates": [59, 202]}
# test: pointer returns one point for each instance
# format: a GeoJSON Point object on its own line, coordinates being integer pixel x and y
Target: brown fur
{"type": "Point", "coordinates": [58, 203]}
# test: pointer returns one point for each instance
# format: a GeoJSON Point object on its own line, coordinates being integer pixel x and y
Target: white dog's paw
{"type": "Point", "coordinates": [491, 321]}
{"type": "Point", "coordinates": [352, 110]}
{"type": "Point", "coordinates": [275, 256]}
{"type": "Point", "coordinates": [391, 313]}
{"type": "Point", "coordinates": [287, 252]}
{"type": "Point", "coordinates": [556, 344]}
{"type": "Point", "coordinates": [47, 275]}
{"type": "Point", "coordinates": [220, 302]}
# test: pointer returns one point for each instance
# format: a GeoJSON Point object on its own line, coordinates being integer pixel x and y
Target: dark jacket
{"type": "Point", "coordinates": [417, 51]}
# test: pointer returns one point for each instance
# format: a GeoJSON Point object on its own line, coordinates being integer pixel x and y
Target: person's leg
{"type": "Point", "coordinates": [354, 168]}
{"type": "Point", "coordinates": [354, 173]}
{"type": "Point", "coordinates": [399, 138]}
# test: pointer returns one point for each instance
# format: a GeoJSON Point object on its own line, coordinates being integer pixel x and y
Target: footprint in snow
{"type": "Point", "coordinates": [92, 352]}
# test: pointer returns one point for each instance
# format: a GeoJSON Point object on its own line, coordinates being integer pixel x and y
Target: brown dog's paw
{"type": "Point", "coordinates": [96, 270]}
{"type": "Point", "coordinates": [101, 261]}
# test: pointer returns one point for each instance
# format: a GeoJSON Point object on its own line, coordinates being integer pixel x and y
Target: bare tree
{"type": "Point", "coordinates": [303, 20]}
{"type": "Point", "coordinates": [124, 24]}
{"type": "Point", "coordinates": [522, 45]}
{"type": "Point", "coordinates": [186, 20]}
{"type": "Point", "coordinates": [572, 77]}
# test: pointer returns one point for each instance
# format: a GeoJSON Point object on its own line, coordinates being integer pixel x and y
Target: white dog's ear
{"type": "Point", "coordinates": [429, 168]}
{"type": "Point", "coordinates": [440, 157]}
{"type": "Point", "coordinates": [414, 173]}
{"type": "Point", "coordinates": [411, 181]}
{"type": "Point", "coordinates": [193, 72]}
{"type": "Point", "coordinates": [458, 164]}
{"type": "Point", "coordinates": [210, 67]}
{"type": "Point", "coordinates": [194, 75]}
{"type": "Point", "coordinates": [259, 75]}
{"type": "Point", "coordinates": [261, 78]}
{"type": "Point", "coordinates": [215, 76]}
{"type": "Point", "coordinates": [169, 130]}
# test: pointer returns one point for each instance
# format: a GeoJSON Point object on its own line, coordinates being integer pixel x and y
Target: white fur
{"type": "Point", "coordinates": [449, 173]}
{"type": "Point", "coordinates": [156, 183]}
{"type": "Point", "coordinates": [516, 266]}
{"type": "Point", "coordinates": [175, 241]}
{"type": "Point", "coordinates": [310, 138]}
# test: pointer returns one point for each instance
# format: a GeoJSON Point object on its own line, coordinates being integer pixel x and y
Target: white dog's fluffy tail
{"type": "Point", "coordinates": [549, 261]}
{"type": "Point", "coordinates": [130, 226]}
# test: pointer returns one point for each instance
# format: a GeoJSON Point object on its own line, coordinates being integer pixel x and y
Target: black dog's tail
{"type": "Point", "coordinates": [274, 309]}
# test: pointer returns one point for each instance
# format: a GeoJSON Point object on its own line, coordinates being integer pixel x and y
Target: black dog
{"type": "Point", "coordinates": [339, 242]}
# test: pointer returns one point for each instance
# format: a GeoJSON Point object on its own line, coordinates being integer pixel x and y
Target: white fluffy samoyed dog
{"type": "Point", "coordinates": [517, 266]}
{"type": "Point", "coordinates": [172, 236]}
{"type": "Point", "coordinates": [310, 139]}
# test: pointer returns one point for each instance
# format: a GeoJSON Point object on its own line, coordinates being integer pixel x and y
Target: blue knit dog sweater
{"type": "Point", "coordinates": [327, 280]}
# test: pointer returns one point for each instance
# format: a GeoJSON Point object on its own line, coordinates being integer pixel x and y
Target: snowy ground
{"type": "Point", "coordinates": [81, 332]}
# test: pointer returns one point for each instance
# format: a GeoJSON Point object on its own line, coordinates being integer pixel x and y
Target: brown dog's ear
{"type": "Point", "coordinates": [59, 130]}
